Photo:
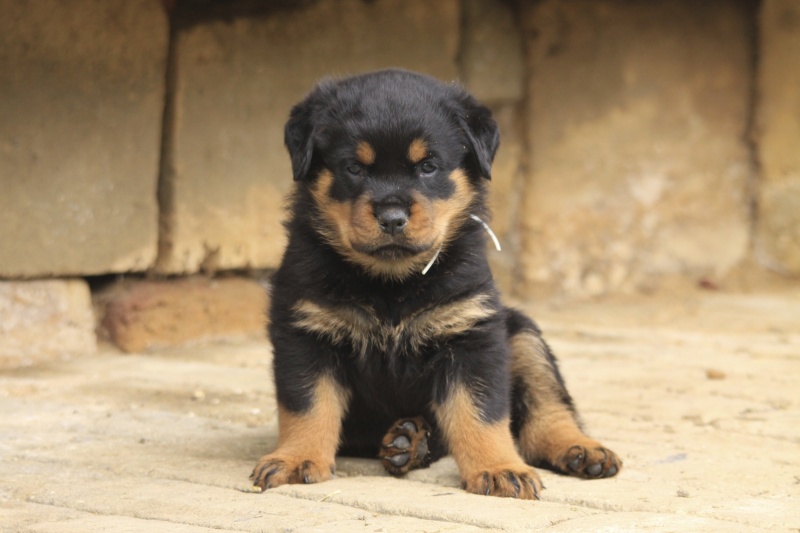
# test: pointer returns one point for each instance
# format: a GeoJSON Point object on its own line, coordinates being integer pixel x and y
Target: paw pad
{"type": "Point", "coordinates": [592, 463]}
{"type": "Point", "coordinates": [405, 446]}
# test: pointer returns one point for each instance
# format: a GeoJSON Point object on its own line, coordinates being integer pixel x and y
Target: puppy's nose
{"type": "Point", "coordinates": [391, 219]}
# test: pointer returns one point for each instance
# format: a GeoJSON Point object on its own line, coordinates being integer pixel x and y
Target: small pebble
{"type": "Point", "coordinates": [712, 373]}
{"type": "Point", "coordinates": [253, 488]}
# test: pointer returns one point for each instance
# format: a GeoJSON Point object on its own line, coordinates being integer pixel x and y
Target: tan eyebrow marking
{"type": "Point", "coordinates": [417, 150]}
{"type": "Point", "coordinates": [365, 153]}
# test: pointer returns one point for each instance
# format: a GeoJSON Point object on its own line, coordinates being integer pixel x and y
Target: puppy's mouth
{"type": "Point", "coordinates": [392, 252]}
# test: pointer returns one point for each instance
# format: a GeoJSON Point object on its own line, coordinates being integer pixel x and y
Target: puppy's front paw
{"type": "Point", "coordinates": [278, 469]}
{"type": "Point", "coordinates": [506, 481]}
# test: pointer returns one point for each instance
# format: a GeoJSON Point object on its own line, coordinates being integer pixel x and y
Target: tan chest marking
{"type": "Point", "coordinates": [361, 326]}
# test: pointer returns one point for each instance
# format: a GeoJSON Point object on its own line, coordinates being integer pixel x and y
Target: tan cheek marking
{"type": "Point", "coordinates": [322, 188]}
{"type": "Point", "coordinates": [421, 220]}
{"type": "Point", "coordinates": [364, 226]}
{"type": "Point", "coordinates": [365, 153]}
{"type": "Point", "coordinates": [440, 219]}
{"type": "Point", "coordinates": [417, 151]}
{"type": "Point", "coordinates": [452, 212]}
{"type": "Point", "coordinates": [335, 212]}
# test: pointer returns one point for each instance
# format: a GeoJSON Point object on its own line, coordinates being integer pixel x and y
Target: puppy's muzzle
{"type": "Point", "coordinates": [392, 219]}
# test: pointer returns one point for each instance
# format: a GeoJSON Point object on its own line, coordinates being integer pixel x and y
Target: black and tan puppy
{"type": "Point", "coordinates": [389, 336]}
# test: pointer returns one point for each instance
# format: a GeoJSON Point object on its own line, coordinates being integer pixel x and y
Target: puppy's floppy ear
{"type": "Point", "coordinates": [298, 137]}
{"type": "Point", "coordinates": [483, 136]}
{"type": "Point", "coordinates": [303, 123]}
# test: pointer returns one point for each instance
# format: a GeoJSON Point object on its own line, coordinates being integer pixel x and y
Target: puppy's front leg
{"type": "Point", "coordinates": [484, 450]}
{"type": "Point", "coordinates": [307, 441]}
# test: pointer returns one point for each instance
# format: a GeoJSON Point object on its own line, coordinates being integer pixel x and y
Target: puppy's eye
{"type": "Point", "coordinates": [355, 169]}
{"type": "Point", "coordinates": [428, 168]}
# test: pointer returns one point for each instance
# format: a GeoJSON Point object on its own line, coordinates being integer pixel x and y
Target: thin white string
{"type": "Point", "coordinates": [488, 230]}
{"type": "Point", "coordinates": [430, 263]}
{"type": "Point", "coordinates": [485, 226]}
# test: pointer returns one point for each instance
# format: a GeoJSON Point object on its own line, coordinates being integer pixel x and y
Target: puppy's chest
{"type": "Point", "coordinates": [365, 330]}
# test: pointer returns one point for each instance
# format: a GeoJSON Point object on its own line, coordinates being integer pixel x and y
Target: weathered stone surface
{"type": "Point", "coordinates": [638, 164]}
{"type": "Point", "coordinates": [81, 99]}
{"type": "Point", "coordinates": [778, 136]}
{"type": "Point", "coordinates": [504, 197]}
{"type": "Point", "coordinates": [235, 84]}
{"type": "Point", "coordinates": [492, 64]}
{"type": "Point", "coordinates": [147, 314]}
{"type": "Point", "coordinates": [44, 320]}
{"type": "Point", "coordinates": [492, 68]}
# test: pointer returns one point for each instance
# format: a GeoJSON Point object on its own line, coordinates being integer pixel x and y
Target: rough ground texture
{"type": "Point", "coordinates": [698, 394]}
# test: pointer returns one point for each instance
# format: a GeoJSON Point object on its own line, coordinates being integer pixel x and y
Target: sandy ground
{"type": "Point", "coordinates": [699, 394]}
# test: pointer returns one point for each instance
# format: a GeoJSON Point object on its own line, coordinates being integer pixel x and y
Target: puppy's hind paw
{"type": "Point", "coordinates": [405, 446]}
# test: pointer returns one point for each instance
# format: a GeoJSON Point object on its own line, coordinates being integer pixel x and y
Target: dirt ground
{"type": "Point", "coordinates": [700, 395]}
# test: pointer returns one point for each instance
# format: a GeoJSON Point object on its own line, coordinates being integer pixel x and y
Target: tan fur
{"type": "Point", "coordinates": [529, 360]}
{"type": "Point", "coordinates": [485, 453]}
{"type": "Point", "coordinates": [550, 434]}
{"type": "Point", "coordinates": [417, 151]}
{"type": "Point", "coordinates": [307, 441]}
{"type": "Point", "coordinates": [348, 226]}
{"type": "Point", "coordinates": [365, 153]}
{"type": "Point", "coordinates": [361, 326]}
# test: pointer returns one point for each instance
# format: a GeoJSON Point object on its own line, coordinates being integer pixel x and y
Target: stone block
{"type": "Point", "coordinates": [81, 100]}
{"type": "Point", "coordinates": [142, 315]}
{"type": "Point", "coordinates": [45, 320]}
{"type": "Point", "coordinates": [504, 197]}
{"type": "Point", "coordinates": [235, 83]}
{"type": "Point", "coordinates": [638, 163]}
{"type": "Point", "coordinates": [492, 64]}
{"type": "Point", "coordinates": [778, 136]}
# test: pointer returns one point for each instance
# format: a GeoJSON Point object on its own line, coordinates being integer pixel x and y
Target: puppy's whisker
{"type": "Point", "coordinates": [488, 230]}
{"type": "Point", "coordinates": [433, 259]}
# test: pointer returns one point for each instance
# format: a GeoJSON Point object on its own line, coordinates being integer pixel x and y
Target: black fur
{"type": "Point", "coordinates": [396, 378]}
{"type": "Point", "coordinates": [395, 383]}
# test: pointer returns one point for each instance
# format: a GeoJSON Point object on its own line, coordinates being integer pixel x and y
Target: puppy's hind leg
{"type": "Point", "coordinates": [544, 420]}
{"type": "Point", "coordinates": [407, 446]}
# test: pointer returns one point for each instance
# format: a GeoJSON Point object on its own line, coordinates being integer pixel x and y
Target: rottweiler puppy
{"type": "Point", "coordinates": [389, 336]}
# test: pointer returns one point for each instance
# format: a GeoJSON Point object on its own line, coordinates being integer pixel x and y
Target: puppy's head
{"type": "Point", "coordinates": [393, 162]}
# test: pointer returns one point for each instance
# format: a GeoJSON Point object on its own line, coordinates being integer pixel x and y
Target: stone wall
{"type": "Point", "coordinates": [81, 99]}
{"type": "Point", "coordinates": [777, 136]}
{"type": "Point", "coordinates": [641, 140]}
{"type": "Point", "coordinates": [637, 127]}
{"type": "Point", "coordinates": [234, 82]}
